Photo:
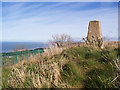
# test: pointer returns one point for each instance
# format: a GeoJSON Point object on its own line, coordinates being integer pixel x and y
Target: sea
{"type": "Point", "coordinates": [11, 46]}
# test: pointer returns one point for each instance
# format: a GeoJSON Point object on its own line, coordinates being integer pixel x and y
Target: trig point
{"type": "Point", "coordinates": [94, 36]}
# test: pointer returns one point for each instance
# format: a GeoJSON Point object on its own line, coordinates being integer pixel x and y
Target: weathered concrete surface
{"type": "Point", "coordinates": [94, 36]}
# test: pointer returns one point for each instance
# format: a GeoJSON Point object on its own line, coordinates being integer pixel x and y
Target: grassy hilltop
{"type": "Point", "coordinates": [83, 67]}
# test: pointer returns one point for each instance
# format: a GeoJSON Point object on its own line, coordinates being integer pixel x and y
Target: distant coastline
{"type": "Point", "coordinates": [21, 46]}
{"type": "Point", "coordinates": [13, 46]}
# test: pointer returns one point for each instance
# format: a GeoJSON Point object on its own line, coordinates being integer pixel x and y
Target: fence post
{"type": "Point", "coordinates": [16, 57]}
{"type": "Point", "coordinates": [35, 51]}
{"type": "Point", "coordinates": [27, 55]}
{"type": "Point", "coordinates": [40, 51]}
{"type": "Point", "coordinates": [0, 60]}
{"type": "Point", "coordinates": [43, 51]}
{"type": "Point", "coordinates": [32, 52]}
{"type": "Point", "coordinates": [20, 56]}
{"type": "Point", "coordinates": [5, 58]}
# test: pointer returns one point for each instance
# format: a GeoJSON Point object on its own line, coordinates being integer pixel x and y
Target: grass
{"type": "Point", "coordinates": [72, 75]}
{"type": "Point", "coordinates": [81, 67]}
{"type": "Point", "coordinates": [90, 67]}
{"type": "Point", "coordinates": [5, 77]}
{"type": "Point", "coordinates": [10, 57]}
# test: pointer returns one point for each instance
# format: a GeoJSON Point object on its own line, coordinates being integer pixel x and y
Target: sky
{"type": "Point", "coordinates": [38, 21]}
{"type": "Point", "coordinates": [60, 0]}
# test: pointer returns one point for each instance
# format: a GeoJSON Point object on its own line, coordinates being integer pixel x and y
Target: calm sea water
{"type": "Point", "coordinates": [11, 46]}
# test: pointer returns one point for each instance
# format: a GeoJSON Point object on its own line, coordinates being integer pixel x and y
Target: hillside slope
{"type": "Point", "coordinates": [79, 67]}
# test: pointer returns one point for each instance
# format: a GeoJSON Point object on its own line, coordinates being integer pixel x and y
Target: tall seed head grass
{"type": "Point", "coordinates": [41, 72]}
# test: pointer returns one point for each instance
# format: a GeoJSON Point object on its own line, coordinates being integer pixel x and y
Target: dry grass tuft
{"type": "Point", "coordinates": [48, 53]}
{"type": "Point", "coordinates": [38, 72]}
{"type": "Point", "coordinates": [111, 44]}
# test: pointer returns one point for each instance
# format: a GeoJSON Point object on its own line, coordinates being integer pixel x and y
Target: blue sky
{"type": "Point", "coordinates": [30, 21]}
